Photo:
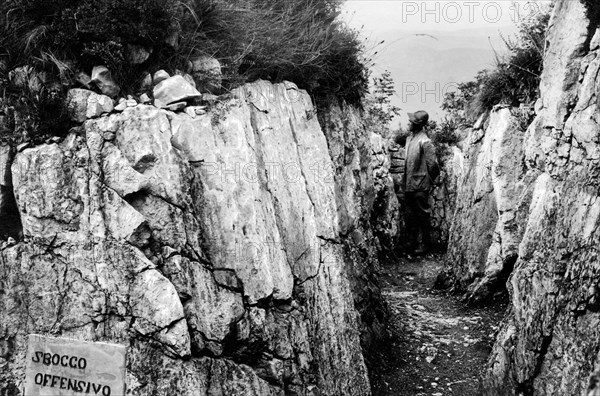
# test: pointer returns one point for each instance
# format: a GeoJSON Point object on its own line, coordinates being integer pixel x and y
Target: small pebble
{"type": "Point", "coordinates": [144, 98]}
{"type": "Point", "coordinates": [121, 106]}
{"type": "Point", "coordinates": [159, 76]}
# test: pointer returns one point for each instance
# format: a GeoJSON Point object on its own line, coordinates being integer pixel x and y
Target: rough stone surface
{"type": "Point", "coordinates": [83, 104]}
{"type": "Point", "coordinates": [26, 77]}
{"type": "Point", "coordinates": [160, 76]}
{"type": "Point", "coordinates": [490, 205]}
{"type": "Point", "coordinates": [359, 208]}
{"type": "Point", "coordinates": [444, 195]}
{"type": "Point", "coordinates": [211, 246]}
{"type": "Point", "coordinates": [387, 205]}
{"type": "Point", "coordinates": [77, 103]}
{"type": "Point", "coordinates": [102, 77]}
{"type": "Point", "coordinates": [98, 105]}
{"type": "Point", "coordinates": [549, 341]}
{"type": "Point", "coordinates": [172, 90]}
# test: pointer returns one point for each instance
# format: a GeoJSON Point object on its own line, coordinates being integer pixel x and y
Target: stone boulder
{"type": "Point", "coordinates": [83, 104]}
{"type": "Point", "coordinates": [160, 76]}
{"type": "Point", "coordinates": [173, 90]}
{"type": "Point", "coordinates": [102, 78]}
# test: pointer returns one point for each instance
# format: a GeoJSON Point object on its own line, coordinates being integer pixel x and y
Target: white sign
{"type": "Point", "coordinates": [66, 367]}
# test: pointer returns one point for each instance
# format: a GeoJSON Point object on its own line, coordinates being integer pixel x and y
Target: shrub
{"type": "Point", "coordinates": [514, 80]}
{"type": "Point", "coordinates": [379, 111]}
{"type": "Point", "coordinates": [296, 40]}
{"type": "Point", "coordinates": [456, 103]}
{"type": "Point", "coordinates": [446, 132]}
{"type": "Point", "coordinates": [59, 36]}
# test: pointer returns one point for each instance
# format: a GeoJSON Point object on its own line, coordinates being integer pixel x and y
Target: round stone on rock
{"type": "Point", "coordinates": [175, 89]}
{"type": "Point", "coordinates": [160, 76]}
{"type": "Point", "coordinates": [144, 98]}
{"type": "Point", "coordinates": [102, 78]}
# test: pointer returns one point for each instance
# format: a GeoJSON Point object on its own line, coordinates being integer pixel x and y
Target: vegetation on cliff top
{"type": "Point", "coordinates": [378, 108]}
{"type": "Point", "coordinates": [513, 81]}
{"type": "Point", "coordinates": [297, 40]}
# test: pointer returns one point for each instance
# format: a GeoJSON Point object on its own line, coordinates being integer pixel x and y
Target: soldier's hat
{"type": "Point", "coordinates": [420, 118]}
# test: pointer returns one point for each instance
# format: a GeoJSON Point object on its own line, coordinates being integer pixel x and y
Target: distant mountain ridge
{"type": "Point", "coordinates": [426, 64]}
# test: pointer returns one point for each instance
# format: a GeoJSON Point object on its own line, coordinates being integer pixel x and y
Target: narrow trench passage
{"type": "Point", "coordinates": [438, 345]}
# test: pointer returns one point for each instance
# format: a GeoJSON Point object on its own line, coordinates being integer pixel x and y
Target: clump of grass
{"type": "Point", "coordinates": [298, 40]}
{"type": "Point", "coordinates": [444, 132]}
{"type": "Point", "coordinates": [513, 81]}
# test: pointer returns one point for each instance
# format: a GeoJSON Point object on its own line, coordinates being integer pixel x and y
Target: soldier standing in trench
{"type": "Point", "coordinates": [421, 170]}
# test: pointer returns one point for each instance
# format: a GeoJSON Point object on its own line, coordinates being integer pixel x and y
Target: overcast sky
{"type": "Point", "coordinates": [443, 15]}
{"type": "Point", "coordinates": [463, 38]}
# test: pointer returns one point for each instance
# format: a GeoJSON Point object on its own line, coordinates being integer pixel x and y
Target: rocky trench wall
{"type": "Point", "coordinates": [549, 343]}
{"type": "Point", "coordinates": [541, 224]}
{"type": "Point", "coordinates": [232, 252]}
{"type": "Point", "coordinates": [368, 216]}
{"type": "Point", "coordinates": [491, 201]}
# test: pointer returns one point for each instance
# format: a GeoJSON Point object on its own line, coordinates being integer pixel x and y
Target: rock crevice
{"type": "Point", "coordinates": [210, 245]}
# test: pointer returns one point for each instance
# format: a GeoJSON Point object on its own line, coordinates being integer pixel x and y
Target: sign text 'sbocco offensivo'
{"type": "Point", "coordinates": [65, 367]}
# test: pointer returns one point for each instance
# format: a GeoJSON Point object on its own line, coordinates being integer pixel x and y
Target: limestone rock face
{"type": "Point", "coordinates": [211, 246]}
{"type": "Point", "coordinates": [443, 197]}
{"type": "Point", "coordinates": [386, 205]}
{"type": "Point", "coordinates": [549, 341]}
{"type": "Point", "coordinates": [102, 78]}
{"type": "Point", "coordinates": [491, 198]}
{"type": "Point", "coordinates": [83, 104]}
{"type": "Point", "coordinates": [361, 207]}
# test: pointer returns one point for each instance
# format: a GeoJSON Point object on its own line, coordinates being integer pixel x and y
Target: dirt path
{"type": "Point", "coordinates": [438, 346]}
